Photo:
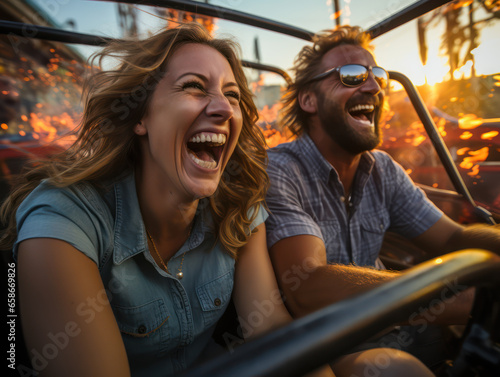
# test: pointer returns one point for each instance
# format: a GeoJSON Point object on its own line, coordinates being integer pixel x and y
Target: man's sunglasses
{"type": "Point", "coordinates": [353, 75]}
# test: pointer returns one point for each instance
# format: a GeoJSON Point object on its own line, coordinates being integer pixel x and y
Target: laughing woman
{"type": "Point", "coordinates": [131, 243]}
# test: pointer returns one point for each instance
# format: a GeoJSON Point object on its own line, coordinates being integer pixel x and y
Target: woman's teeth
{"type": "Point", "coordinates": [208, 138]}
{"type": "Point", "coordinates": [205, 148]}
{"type": "Point", "coordinates": [204, 164]}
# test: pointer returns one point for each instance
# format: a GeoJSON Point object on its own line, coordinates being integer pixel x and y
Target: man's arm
{"type": "Point", "coordinates": [446, 236]}
{"type": "Point", "coordinates": [309, 283]}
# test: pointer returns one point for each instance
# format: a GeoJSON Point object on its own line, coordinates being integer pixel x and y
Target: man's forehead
{"type": "Point", "coordinates": [347, 54]}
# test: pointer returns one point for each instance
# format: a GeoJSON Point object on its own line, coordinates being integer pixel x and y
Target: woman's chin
{"type": "Point", "coordinates": [204, 189]}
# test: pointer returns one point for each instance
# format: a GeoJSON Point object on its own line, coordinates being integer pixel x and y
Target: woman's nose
{"type": "Point", "coordinates": [219, 107]}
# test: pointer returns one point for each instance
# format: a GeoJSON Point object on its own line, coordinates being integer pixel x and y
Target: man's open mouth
{"type": "Point", "coordinates": [205, 148]}
{"type": "Point", "coordinates": [362, 112]}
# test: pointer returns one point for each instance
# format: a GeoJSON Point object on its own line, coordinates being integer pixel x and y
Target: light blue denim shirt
{"type": "Point", "coordinates": [165, 323]}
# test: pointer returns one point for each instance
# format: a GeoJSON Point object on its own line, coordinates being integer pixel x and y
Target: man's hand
{"type": "Point", "coordinates": [446, 236]}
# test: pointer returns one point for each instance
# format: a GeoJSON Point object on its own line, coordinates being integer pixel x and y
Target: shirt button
{"type": "Point", "coordinates": [342, 199]}
{"type": "Point", "coordinates": [142, 329]}
{"type": "Point", "coordinates": [217, 302]}
{"type": "Point", "coordinates": [381, 226]}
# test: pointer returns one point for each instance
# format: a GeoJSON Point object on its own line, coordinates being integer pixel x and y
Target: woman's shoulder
{"type": "Point", "coordinates": [77, 214]}
{"type": "Point", "coordinates": [82, 204]}
{"type": "Point", "coordinates": [75, 197]}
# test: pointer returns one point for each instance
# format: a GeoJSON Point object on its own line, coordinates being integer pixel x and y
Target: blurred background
{"type": "Point", "coordinates": [451, 54]}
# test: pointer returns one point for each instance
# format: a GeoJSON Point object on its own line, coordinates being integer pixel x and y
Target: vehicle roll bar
{"type": "Point", "coordinates": [52, 34]}
{"type": "Point", "coordinates": [270, 68]}
{"type": "Point", "coordinates": [407, 14]}
{"type": "Point", "coordinates": [227, 14]}
{"type": "Point", "coordinates": [56, 35]}
{"type": "Point", "coordinates": [21, 29]}
{"type": "Point", "coordinates": [329, 333]}
{"type": "Point", "coordinates": [439, 145]}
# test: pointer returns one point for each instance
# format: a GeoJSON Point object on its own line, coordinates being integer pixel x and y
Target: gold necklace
{"type": "Point", "coordinates": [179, 275]}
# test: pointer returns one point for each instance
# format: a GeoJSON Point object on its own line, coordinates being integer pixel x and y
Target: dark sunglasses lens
{"type": "Point", "coordinates": [353, 74]}
{"type": "Point", "coordinates": [381, 76]}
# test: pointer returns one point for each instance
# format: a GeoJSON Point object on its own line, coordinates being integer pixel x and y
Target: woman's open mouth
{"type": "Point", "coordinates": [205, 149]}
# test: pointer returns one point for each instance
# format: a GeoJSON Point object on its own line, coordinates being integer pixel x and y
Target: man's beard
{"type": "Point", "coordinates": [334, 122]}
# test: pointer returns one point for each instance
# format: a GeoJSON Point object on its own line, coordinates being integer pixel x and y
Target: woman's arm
{"type": "Point", "coordinates": [256, 294]}
{"type": "Point", "coordinates": [68, 324]}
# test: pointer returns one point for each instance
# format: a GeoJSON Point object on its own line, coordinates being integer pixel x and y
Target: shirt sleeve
{"type": "Point", "coordinates": [411, 212]}
{"type": "Point", "coordinates": [287, 216]}
{"type": "Point", "coordinates": [262, 215]}
{"type": "Point", "coordinates": [63, 214]}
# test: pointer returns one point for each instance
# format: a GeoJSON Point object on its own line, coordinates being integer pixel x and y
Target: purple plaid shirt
{"type": "Point", "coordinates": [307, 197]}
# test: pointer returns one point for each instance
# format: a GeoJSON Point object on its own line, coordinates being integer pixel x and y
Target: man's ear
{"type": "Point", "coordinates": [140, 129]}
{"type": "Point", "coordinates": [307, 101]}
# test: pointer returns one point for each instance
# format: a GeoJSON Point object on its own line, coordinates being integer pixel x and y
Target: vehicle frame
{"type": "Point", "coordinates": [325, 335]}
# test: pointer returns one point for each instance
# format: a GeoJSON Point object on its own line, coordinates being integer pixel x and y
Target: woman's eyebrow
{"type": "Point", "coordinates": [230, 83]}
{"type": "Point", "coordinates": [205, 79]}
{"type": "Point", "coordinates": [199, 75]}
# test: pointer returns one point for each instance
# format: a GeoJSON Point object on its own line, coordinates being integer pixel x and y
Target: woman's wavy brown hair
{"type": "Point", "coordinates": [307, 65]}
{"type": "Point", "coordinates": [106, 145]}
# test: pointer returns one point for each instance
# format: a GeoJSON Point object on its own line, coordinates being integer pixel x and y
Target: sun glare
{"type": "Point", "coordinates": [486, 57]}
{"type": "Point", "coordinates": [436, 69]}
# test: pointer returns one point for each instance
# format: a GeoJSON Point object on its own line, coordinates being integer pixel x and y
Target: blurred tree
{"type": "Point", "coordinates": [492, 6]}
{"type": "Point", "coordinates": [422, 44]}
{"type": "Point", "coordinates": [127, 17]}
{"type": "Point", "coordinates": [454, 36]}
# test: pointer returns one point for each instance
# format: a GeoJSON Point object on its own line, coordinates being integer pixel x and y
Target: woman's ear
{"type": "Point", "coordinates": [307, 101]}
{"type": "Point", "coordinates": [140, 129]}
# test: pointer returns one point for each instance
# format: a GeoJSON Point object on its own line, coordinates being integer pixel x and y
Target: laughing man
{"type": "Point", "coordinates": [333, 197]}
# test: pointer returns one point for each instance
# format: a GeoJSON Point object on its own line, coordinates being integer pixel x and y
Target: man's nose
{"type": "Point", "coordinates": [371, 85]}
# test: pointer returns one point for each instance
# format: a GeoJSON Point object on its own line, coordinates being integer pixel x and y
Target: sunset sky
{"type": "Point", "coordinates": [397, 50]}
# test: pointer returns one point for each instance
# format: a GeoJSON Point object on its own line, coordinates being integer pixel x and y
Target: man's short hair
{"type": "Point", "coordinates": [306, 66]}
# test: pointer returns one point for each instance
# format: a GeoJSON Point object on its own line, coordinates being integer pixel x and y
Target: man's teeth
{"type": "Point", "coordinates": [208, 138]}
{"type": "Point", "coordinates": [362, 108]}
{"type": "Point", "coordinates": [204, 164]}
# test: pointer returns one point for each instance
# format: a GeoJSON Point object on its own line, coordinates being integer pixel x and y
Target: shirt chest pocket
{"type": "Point", "coordinates": [373, 226]}
{"type": "Point", "coordinates": [214, 297]}
{"type": "Point", "coordinates": [335, 241]}
{"type": "Point", "coordinates": [145, 329]}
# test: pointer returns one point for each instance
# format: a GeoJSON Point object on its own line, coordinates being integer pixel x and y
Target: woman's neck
{"type": "Point", "coordinates": [166, 216]}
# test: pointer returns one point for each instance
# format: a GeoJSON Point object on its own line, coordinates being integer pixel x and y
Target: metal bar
{"type": "Point", "coordinates": [438, 143]}
{"type": "Point", "coordinates": [56, 35]}
{"type": "Point", "coordinates": [319, 338]}
{"type": "Point", "coordinates": [270, 68]}
{"type": "Point", "coordinates": [405, 15]}
{"type": "Point", "coordinates": [50, 34]}
{"type": "Point", "coordinates": [227, 14]}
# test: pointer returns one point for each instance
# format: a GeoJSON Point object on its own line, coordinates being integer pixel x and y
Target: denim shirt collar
{"type": "Point", "coordinates": [130, 233]}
